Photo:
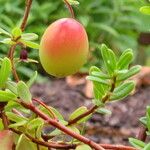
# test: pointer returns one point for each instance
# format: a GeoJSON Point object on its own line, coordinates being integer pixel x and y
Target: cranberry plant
{"type": "Point", "coordinates": [24, 118]}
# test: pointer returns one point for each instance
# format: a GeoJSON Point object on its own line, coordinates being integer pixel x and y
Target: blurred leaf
{"type": "Point", "coordinates": [83, 147]}
{"type": "Point", "coordinates": [79, 112]}
{"type": "Point", "coordinates": [24, 143]}
{"type": "Point", "coordinates": [145, 10]}
{"type": "Point", "coordinates": [15, 117]}
{"type": "Point", "coordinates": [147, 146]}
{"type": "Point", "coordinates": [16, 32]}
{"type": "Point", "coordinates": [30, 44]}
{"type": "Point", "coordinates": [94, 68]}
{"type": "Point", "coordinates": [5, 71]}
{"type": "Point", "coordinates": [32, 79]}
{"type": "Point", "coordinates": [104, 111]}
{"type": "Point", "coordinates": [29, 36]}
{"type": "Point", "coordinates": [35, 123]}
{"type": "Point", "coordinates": [23, 92]}
{"type": "Point", "coordinates": [6, 96]}
{"type": "Point", "coordinates": [136, 143]}
{"type": "Point", "coordinates": [73, 2]}
{"type": "Point", "coordinates": [12, 86]}
{"type": "Point", "coordinates": [7, 41]}
{"type": "Point", "coordinates": [2, 31]}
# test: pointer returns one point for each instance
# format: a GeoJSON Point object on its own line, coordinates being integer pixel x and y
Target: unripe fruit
{"type": "Point", "coordinates": [64, 47]}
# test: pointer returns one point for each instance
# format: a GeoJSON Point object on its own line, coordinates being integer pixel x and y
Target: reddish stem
{"type": "Point", "coordinates": [70, 8]}
{"type": "Point", "coordinates": [26, 14]}
{"type": "Point", "coordinates": [142, 134]}
{"type": "Point", "coordinates": [45, 106]}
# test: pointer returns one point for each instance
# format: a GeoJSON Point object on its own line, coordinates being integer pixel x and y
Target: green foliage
{"type": "Point", "coordinates": [23, 92]}
{"type": "Point", "coordinates": [145, 10]}
{"type": "Point", "coordinates": [83, 147]}
{"type": "Point", "coordinates": [117, 24]}
{"type": "Point", "coordinates": [111, 84]}
{"type": "Point", "coordinates": [4, 71]}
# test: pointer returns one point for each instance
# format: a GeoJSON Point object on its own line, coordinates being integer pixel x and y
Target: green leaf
{"type": "Point", "coordinates": [1, 125]}
{"type": "Point", "coordinates": [59, 116]}
{"type": "Point", "coordinates": [125, 59]}
{"type": "Point", "coordinates": [30, 44]}
{"type": "Point", "coordinates": [6, 96]}
{"type": "Point", "coordinates": [73, 2]}
{"type": "Point", "coordinates": [145, 10]}
{"type": "Point", "coordinates": [5, 71]}
{"type": "Point", "coordinates": [134, 70]}
{"type": "Point", "coordinates": [79, 112]}
{"type": "Point", "coordinates": [102, 81]}
{"type": "Point", "coordinates": [29, 36]}
{"type": "Point", "coordinates": [55, 132]}
{"type": "Point", "coordinates": [35, 123]}
{"type": "Point", "coordinates": [109, 59]}
{"type": "Point", "coordinates": [136, 143]}
{"type": "Point", "coordinates": [16, 32]}
{"type": "Point", "coordinates": [24, 143]}
{"type": "Point", "coordinates": [32, 79]}
{"type": "Point", "coordinates": [83, 147]}
{"type": "Point", "coordinates": [100, 75]}
{"type": "Point", "coordinates": [6, 140]}
{"type": "Point", "coordinates": [148, 117]}
{"type": "Point", "coordinates": [147, 147]}
{"type": "Point", "coordinates": [143, 120]}
{"type": "Point", "coordinates": [74, 129]}
{"type": "Point", "coordinates": [12, 86]}
{"type": "Point", "coordinates": [94, 68]}
{"type": "Point", "coordinates": [18, 124]}
{"type": "Point", "coordinates": [7, 41]}
{"type": "Point", "coordinates": [104, 111]}
{"type": "Point", "coordinates": [23, 92]}
{"type": "Point", "coordinates": [2, 31]}
{"type": "Point", "coordinates": [123, 90]}
{"type": "Point", "coordinates": [15, 117]}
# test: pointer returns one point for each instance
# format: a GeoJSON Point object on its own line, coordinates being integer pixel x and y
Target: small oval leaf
{"type": "Point", "coordinates": [23, 92]}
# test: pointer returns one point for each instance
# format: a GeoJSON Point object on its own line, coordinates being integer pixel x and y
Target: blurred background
{"type": "Point", "coordinates": [118, 23]}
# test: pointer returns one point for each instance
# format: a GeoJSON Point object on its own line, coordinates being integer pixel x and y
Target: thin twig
{"type": "Point", "coordinates": [43, 143]}
{"type": "Point", "coordinates": [26, 14]}
{"type": "Point", "coordinates": [70, 8]}
{"type": "Point", "coordinates": [45, 106]}
{"type": "Point", "coordinates": [142, 134]}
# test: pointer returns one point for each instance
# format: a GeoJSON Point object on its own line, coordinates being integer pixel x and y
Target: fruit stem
{"type": "Point", "coordinates": [70, 8]}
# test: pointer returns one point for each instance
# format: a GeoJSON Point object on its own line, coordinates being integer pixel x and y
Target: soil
{"type": "Point", "coordinates": [114, 128]}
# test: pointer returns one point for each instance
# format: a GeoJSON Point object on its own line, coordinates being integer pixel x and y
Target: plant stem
{"type": "Point", "coordinates": [45, 106]}
{"type": "Point", "coordinates": [70, 8]}
{"type": "Point", "coordinates": [142, 134]}
{"type": "Point", "coordinates": [43, 143]}
{"type": "Point", "coordinates": [70, 146]}
{"type": "Point", "coordinates": [61, 127]}
{"type": "Point", "coordinates": [3, 116]}
{"type": "Point", "coordinates": [117, 147]}
{"type": "Point", "coordinates": [26, 14]}
{"type": "Point", "coordinates": [11, 57]}
{"type": "Point", "coordinates": [92, 109]}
